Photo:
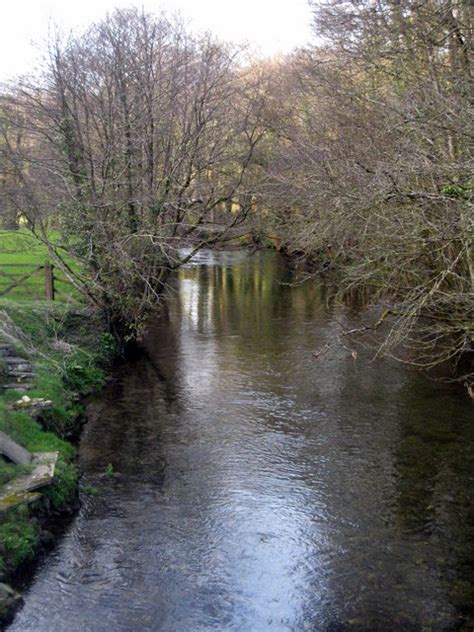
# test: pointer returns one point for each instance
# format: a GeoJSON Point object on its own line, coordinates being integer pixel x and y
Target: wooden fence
{"type": "Point", "coordinates": [29, 280]}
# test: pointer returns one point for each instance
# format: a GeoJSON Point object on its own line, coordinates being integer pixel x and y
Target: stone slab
{"type": "Point", "coordinates": [20, 374]}
{"type": "Point", "coordinates": [44, 464]}
{"type": "Point", "coordinates": [33, 406]}
{"type": "Point", "coordinates": [15, 452]}
{"type": "Point", "coordinates": [10, 501]}
{"type": "Point", "coordinates": [22, 489]}
{"type": "Point", "coordinates": [15, 360]}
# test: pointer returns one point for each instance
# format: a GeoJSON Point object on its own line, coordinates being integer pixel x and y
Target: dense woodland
{"type": "Point", "coordinates": [355, 155]}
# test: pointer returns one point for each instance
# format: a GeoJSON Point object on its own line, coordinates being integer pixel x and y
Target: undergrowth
{"type": "Point", "coordinates": [69, 352]}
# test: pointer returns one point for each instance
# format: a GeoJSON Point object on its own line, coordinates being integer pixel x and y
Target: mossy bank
{"type": "Point", "coordinates": [69, 349]}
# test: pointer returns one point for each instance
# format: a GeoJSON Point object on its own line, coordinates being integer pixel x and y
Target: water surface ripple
{"type": "Point", "coordinates": [257, 488]}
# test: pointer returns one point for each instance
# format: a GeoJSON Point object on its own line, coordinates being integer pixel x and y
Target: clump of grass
{"type": "Point", "coordinates": [81, 374]}
{"type": "Point", "coordinates": [19, 538]}
{"type": "Point", "coordinates": [89, 490]}
{"type": "Point", "coordinates": [64, 489]}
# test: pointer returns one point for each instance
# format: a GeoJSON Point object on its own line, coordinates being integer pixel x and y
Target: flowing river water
{"type": "Point", "coordinates": [244, 485]}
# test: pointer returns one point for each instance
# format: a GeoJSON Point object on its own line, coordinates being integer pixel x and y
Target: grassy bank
{"type": "Point", "coordinates": [69, 350]}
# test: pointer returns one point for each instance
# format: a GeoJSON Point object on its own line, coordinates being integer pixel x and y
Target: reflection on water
{"type": "Point", "coordinates": [259, 489]}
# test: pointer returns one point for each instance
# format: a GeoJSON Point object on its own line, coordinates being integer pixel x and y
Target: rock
{"type": "Point", "coordinates": [11, 501]}
{"type": "Point", "coordinates": [9, 598]}
{"type": "Point", "coordinates": [19, 374]}
{"type": "Point", "coordinates": [18, 364]}
{"type": "Point", "coordinates": [37, 404]}
{"type": "Point", "coordinates": [24, 402]}
{"type": "Point", "coordinates": [22, 489]}
{"type": "Point", "coordinates": [47, 538]}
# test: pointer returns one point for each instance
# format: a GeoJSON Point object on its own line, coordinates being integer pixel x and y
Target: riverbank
{"type": "Point", "coordinates": [68, 350]}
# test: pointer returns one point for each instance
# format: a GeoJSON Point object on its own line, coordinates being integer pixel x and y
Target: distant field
{"type": "Point", "coordinates": [18, 248]}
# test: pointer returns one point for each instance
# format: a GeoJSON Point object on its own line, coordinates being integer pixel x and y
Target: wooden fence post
{"type": "Point", "coordinates": [49, 281]}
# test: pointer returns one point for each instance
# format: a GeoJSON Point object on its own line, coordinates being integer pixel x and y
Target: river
{"type": "Point", "coordinates": [241, 484]}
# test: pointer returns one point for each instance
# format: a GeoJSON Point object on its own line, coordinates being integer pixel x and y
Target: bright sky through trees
{"type": "Point", "coordinates": [271, 26]}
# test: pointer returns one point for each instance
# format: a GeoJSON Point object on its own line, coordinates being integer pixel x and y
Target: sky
{"type": "Point", "coordinates": [271, 26]}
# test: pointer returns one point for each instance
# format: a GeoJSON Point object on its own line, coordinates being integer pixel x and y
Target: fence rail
{"type": "Point", "coordinates": [29, 280]}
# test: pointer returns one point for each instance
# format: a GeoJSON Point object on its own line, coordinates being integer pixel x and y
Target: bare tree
{"type": "Point", "coordinates": [373, 176]}
{"type": "Point", "coordinates": [138, 135]}
{"type": "Point", "coordinates": [8, 181]}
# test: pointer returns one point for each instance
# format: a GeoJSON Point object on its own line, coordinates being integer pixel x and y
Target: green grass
{"type": "Point", "coordinates": [21, 247]}
{"type": "Point", "coordinates": [19, 538]}
{"type": "Point", "coordinates": [9, 471]}
{"type": "Point", "coordinates": [27, 432]}
{"type": "Point", "coordinates": [67, 348]}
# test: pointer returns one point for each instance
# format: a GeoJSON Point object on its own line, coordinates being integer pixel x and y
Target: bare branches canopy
{"type": "Point", "coordinates": [136, 134]}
